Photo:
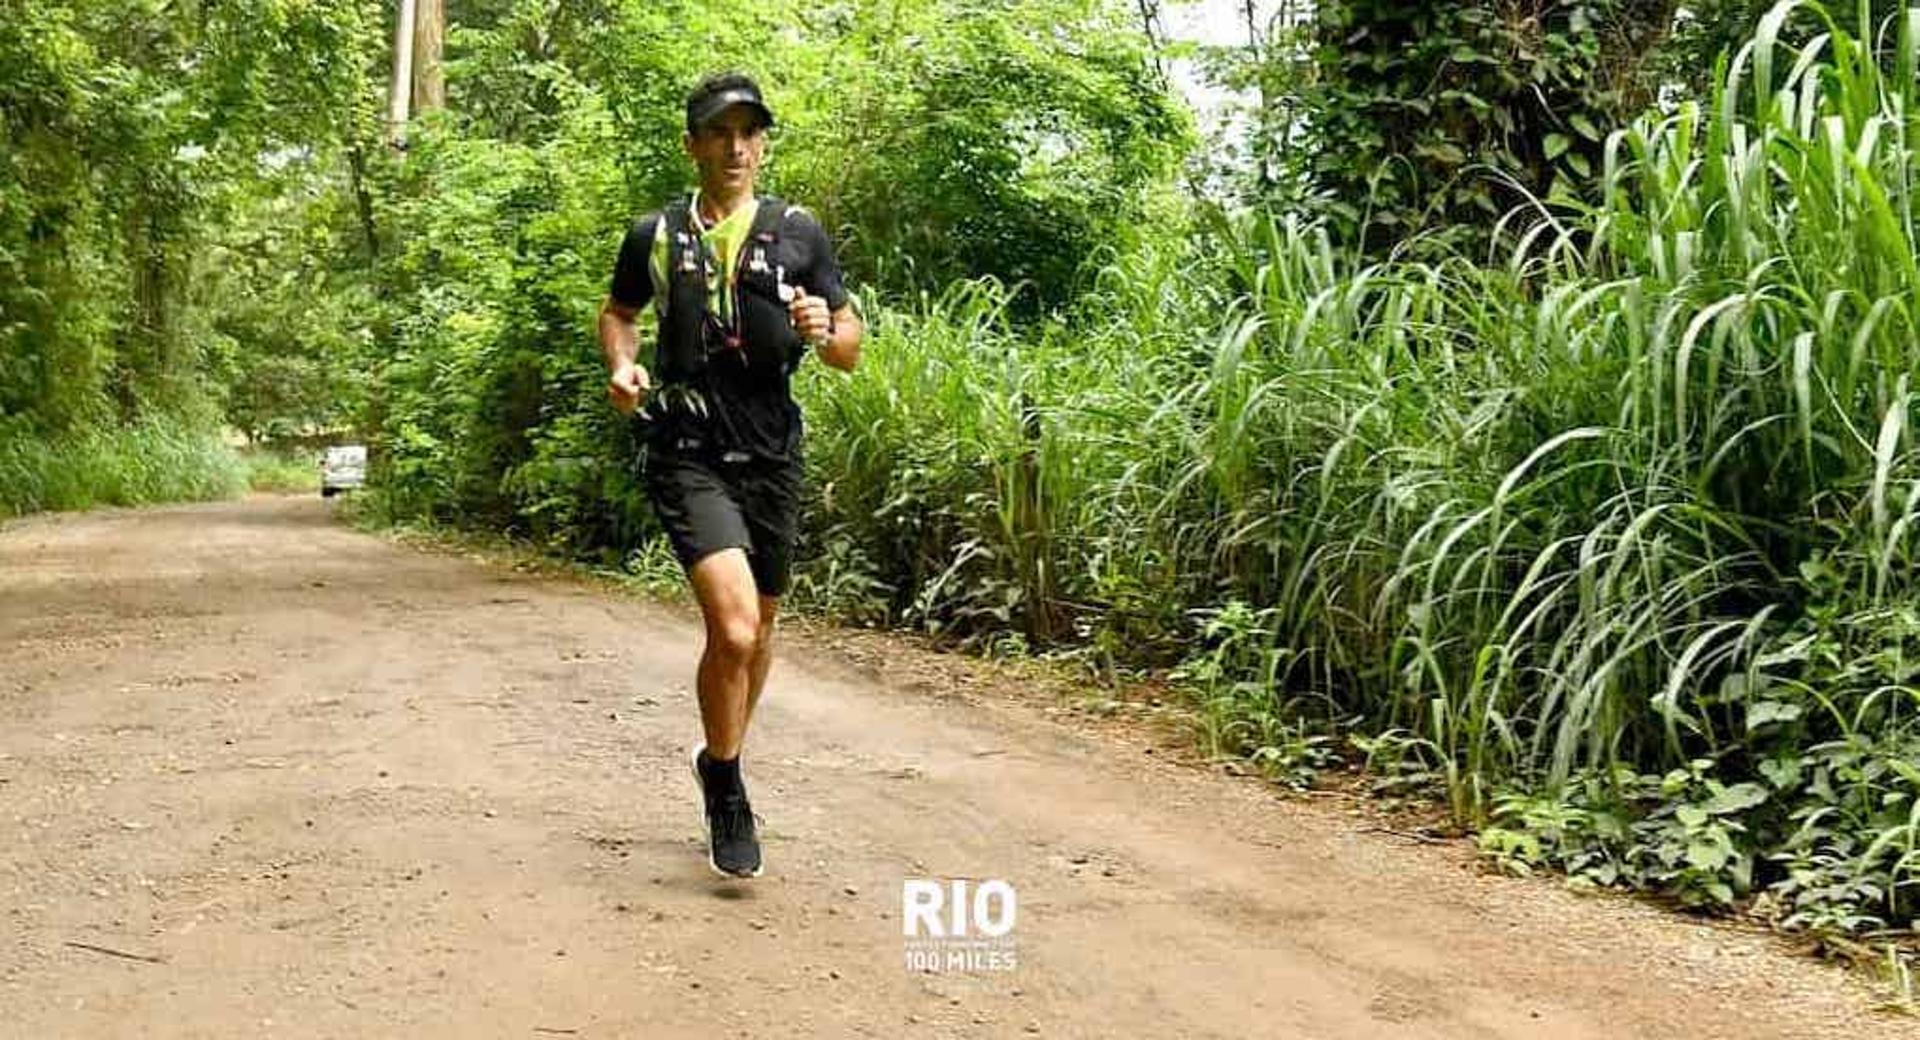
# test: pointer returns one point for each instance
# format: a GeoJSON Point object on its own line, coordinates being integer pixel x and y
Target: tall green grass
{"type": "Point", "coordinates": [1612, 540]}
{"type": "Point", "coordinates": [154, 461]}
{"type": "Point", "coordinates": [281, 470]}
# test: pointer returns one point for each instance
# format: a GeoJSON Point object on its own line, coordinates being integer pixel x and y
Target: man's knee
{"type": "Point", "coordinates": [736, 634]}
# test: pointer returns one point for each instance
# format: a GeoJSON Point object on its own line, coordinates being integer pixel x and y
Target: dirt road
{"type": "Point", "coordinates": [321, 785]}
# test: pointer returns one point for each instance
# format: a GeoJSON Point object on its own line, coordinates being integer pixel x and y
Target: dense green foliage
{"type": "Point", "coordinates": [151, 282]}
{"type": "Point", "coordinates": [1595, 517]}
{"type": "Point", "coordinates": [1439, 118]}
{"type": "Point", "coordinates": [1612, 542]}
{"type": "Point", "coordinates": [506, 214]}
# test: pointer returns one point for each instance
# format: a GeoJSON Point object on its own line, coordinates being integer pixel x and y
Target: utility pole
{"type": "Point", "coordinates": [429, 32]}
{"type": "Point", "coordinates": [402, 75]}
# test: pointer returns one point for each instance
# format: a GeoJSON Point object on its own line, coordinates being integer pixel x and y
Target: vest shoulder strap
{"type": "Point", "coordinates": [675, 220]}
{"type": "Point", "coordinates": [767, 218]}
{"type": "Point", "coordinates": [671, 223]}
{"type": "Point", "coordinates": [657, 257]}
{"type": "Point", "coordinates": [675, 216]}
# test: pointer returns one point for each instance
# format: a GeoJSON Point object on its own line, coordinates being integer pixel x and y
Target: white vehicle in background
{"type": "Point", "coordinates": [343, 467]}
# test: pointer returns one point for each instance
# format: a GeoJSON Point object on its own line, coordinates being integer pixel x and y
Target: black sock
{"type": "Point", "coordinates": [721, 774]}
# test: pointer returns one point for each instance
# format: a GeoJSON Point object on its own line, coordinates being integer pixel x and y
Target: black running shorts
{"type": "Point", "coordinates": [708, 502]}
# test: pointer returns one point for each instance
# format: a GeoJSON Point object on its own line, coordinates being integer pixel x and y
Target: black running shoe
{"type": "Point", "coordinates": [733, 848]}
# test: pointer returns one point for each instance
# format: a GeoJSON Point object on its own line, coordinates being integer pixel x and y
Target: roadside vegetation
{"type": "Point", "coordinates": [1610, 541]}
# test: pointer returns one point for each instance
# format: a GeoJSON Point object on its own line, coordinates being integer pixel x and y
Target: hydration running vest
{"type": "Point", "coordinates": [706, 366]}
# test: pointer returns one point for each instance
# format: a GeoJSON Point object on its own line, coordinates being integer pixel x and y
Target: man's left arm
{"type": "Point", "coordinates": [823, 310]}
{"type": "Point", "coordinates": [841, 348]}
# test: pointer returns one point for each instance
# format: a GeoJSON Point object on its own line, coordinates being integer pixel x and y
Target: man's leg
{"type": "Point", "coordinates": [724, 586]}
{"type": "Point", "coordinates": [702, 516]}
{"type": "Point", "coordinates": [770, 510]}
{"type": "Point", "coordinates": [762, 653]}
{"type": "Point", "coordinates": [732, 665]}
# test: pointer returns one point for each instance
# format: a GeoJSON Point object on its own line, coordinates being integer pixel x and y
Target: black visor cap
{"type": "Point", "coordinates": [704, 109]}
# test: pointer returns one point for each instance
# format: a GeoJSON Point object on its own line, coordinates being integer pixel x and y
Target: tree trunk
{"type": "Point", "coordinates": [1636, 32]}
{"type": "Point", "coordinates": [362, 198]}
{"type": "Point", "coordinates": [429, 31]}
{"type": "Point", "coordinates": [402, 73]}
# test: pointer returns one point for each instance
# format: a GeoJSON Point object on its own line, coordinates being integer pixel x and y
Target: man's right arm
{"type": "Point", "coordinates": [627, 382]}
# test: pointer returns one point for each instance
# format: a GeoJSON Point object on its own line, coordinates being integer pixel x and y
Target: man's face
{"type": "Point", "coordinates": [728, 150]}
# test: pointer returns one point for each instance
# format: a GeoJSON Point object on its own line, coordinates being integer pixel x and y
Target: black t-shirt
{"type": "Point", "coordinates": [760, 413]}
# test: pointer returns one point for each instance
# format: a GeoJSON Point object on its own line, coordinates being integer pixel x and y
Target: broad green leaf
{"type": "Point", "coordinates": [1762, 713]}
{"type": "Point", "coordinates": [1737, 798]}
{"type": "Point", "coordinates": [1708, 853]}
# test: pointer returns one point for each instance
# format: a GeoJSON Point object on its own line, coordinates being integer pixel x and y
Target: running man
{"type": "Point", "coordinates": [743, 287]}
